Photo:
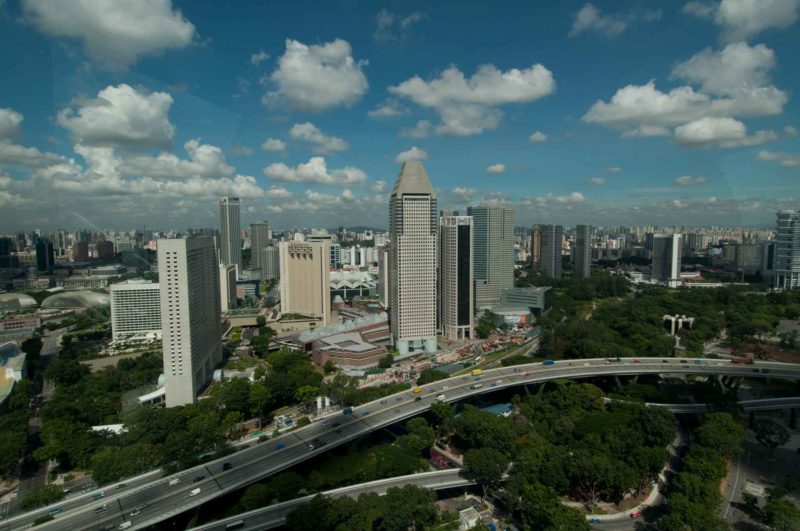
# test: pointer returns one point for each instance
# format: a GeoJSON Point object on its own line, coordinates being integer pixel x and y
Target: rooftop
{"type": "Point", "coordinates": [412, 179]}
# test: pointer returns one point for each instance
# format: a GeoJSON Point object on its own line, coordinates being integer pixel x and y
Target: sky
{"type": "Point", "coordinates": [124, 114]}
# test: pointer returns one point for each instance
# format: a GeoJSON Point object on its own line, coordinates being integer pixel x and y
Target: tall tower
{"type": "Point", "coordinates": [412, 261]}
{"type": "Point", "coordinates": [188, 273]}
{"type": "Point", "coordinates": [536, 247]}
{"type": "Point", "coordinates": [259, 240]}
{"type": "Point", "coordinates": [230, 234]}
{"type": "Point", "coordinates": [583, 251]}
{"type": "Point", "coordinates": [552, 238]}
{"type": "Point", "coordinates": [493, 254]}
{"type": "Point", "coordinates": [456, 296]}
{"type": "Point", "coordinates": [787, 250]}
{"type": "Point", "coordinates": [45, 257]}
{"type": "Point", "coordinates": [666, 263]}
{"type": "Point", "coordinates": [305, 279]}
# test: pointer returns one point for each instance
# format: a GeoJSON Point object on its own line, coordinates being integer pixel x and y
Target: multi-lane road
{"type": "Point", "coordinates": [149, 499]}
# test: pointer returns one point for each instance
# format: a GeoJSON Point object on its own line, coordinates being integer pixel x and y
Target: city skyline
{"type": "Point", "coordinates": [568, 126]}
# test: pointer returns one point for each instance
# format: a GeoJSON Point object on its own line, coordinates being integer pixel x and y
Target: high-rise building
{"type": "Point", "coordinates": [6, 246]}
{"type": "Point", "coordinates": [45, 256]}
{"type": "Point", "coordinates": [748, 257]}
{"type": "Point", "coordinates": [135, 309]}
{"type": "Point", "coordinates": [493, 252]}
{"type": "Point", "coordinates": [412, 261]}
{"type": "Point", "coordinates": [188, 273]}
{"type": "Point", "coordinates": [787, 250]}
{"type": "Point", "coordinates": [383, 275]}
{"type": "Point", "coordinates": [271, 268]}
{"type": "Point", "coordinates": [456, 296]}
{"type": "Point", "coordinates": [259, 240]}
{"type": "Point", "coordinates": [305, 279]}
{"type": "Point", "coordinates": [666, 263]}
{"type": "Point", "coordinates": [583, 251]}
{"type": "Point", "coordinates": [104, 249]}
{"type": "Point", "coordinates": [80, 252]}
{"type": "Point", "coordinates": [230, 235]}
{"type": "Point", "coordinates": [767, 261]}
{"type": "Point", "coordinates": [536, 247]}
{"type": "Point", "coordinates": [552, 240]}
{"type": "Point", "coordinates": [227, 287]}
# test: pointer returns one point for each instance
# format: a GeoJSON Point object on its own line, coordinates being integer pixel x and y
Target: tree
{"type": "Point", "coordinates": [66, 371]}
{"type": "Point", "coordinates": [386, 361]}
{"type": "Point", "coordinates": [771, 434]}
{"type": "Point", "coordinates": [261, 320]}
{"type": "Point", "coordinates": [235, 395]}
{"type": "Point", "coordinates": [41, 496]}
{"type": "Point", "coordinates": [782, 515]}
{"type": "Point", "coordinates": [112, 463]}
{"type": "Point", "coordinates": [539, 508]}
{"type": "Point", "coordinates": [486, 465]}
{"type": "Point", "coordinates": [443, 414]}
{"type": "Point", "coordinates": [329, 367]}
{"type": "Point", "coordinates": [306, 394]}
{"type": "Point", "coordinates": [420, 436]}
{"type": "Point", "coordinates": [723, 432]}
{"type": "Point", "coordinates": [431, 375]}
{"type": "Point", "coordinates": [259, 399]}
{"type": "Point", "coordinates": [408, 507]}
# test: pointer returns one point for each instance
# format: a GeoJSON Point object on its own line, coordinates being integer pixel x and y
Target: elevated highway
{"type": "Point", "coordinates": [147, 501]}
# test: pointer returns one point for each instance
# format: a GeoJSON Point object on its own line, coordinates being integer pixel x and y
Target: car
{"type": "Point", "coordinates": [338, 430]}
{"type": "Point", "coordinates": [55, 511]}
{"type": "Point", "coordinates": [465, 378]}
{"type": "Point", "coordinates": [755, 370]}
{"type": "Point", "coordinates": [398, 399]}
{"type": "Point", "coordinates": [571, 364]}
{"type": "Point", "coordinates": [494, 384]}
{"type": "Point", "coordinates": [441, 397]}
{"type": "Point", "coordinates": [586, 364]}
{"type": "Point", "coordinates": [594, 520]}
{"type": "Point", "coordinates": [684, 361]}
{"type": "Point", "coordinates": [101, 508]}
{"type": "Point", "coordinates": [446, 387]}
{"type": "Point", "coordinates": [478, 379]}
{"type": "Point", "coordinates": [499, 381]}
{"type": "Point", "coordinates": [194, 492]}
{"type": "Point", "coordinates": [125, 525]}
{"type": "Point", "coordinates": [136, 512]}
{"type": "Point", "coordinates": [664, 361]}
{"type": "Point", "coordinates": [383, 401]}
{"type": "Point", "coordinates": [280, 446]}
{"type": "Point", "coordinates": [516, 369]}
{"type": "Point", "coordinates": [764, 370]}
{"type": "Point", "coordinates": [636, 361]}
{"type": "Point", "coordinates": [326, 423]}
{"type": "Point", "coordinates": [418, 399]}
{"type": "Point", "coordinates": [120, 486]}
{"type": "Point", "coordinates": [527, 374]}
{"type": "Point", "coordinates": [98, 495]}
{"type": "Point", "coordinates": [636, 514]}
{"type": "Point", "coordinates": [174, 481]}
{"type": "Point", "coordinates": [198, 478]}
{"type": "Point", "coordinates": [226, 466]}
{"type": "Point", "coordinates": [336, 424]}
{"type": "Point", "coordinates": [364, 414]}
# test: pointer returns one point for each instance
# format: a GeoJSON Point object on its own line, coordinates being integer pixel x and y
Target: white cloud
{"type": "Point", "coordinates": [538, 137]}
{"type": "Point", "coordinates": [469, 106]}
{"type": "Point", "coordinates": [645, 131]}
{"type": "Point", "coordinates": [258, 57]}
{"type": "Point", "coordinates": [590, 19]}
{"type": "Point", "coordinates": [316, 77]}
{"type": "Point", "coordinates": [388, 109]}
{"type": "Point", "coordinates": [378, 186]}
{"type": "Point", "coordinates": [114, 32]}
{"type": "Point", "coordinates": [278, 192]}
{"type": "Point", "coordinates": [274, 145]}
{"type": "Point", "coordinates": [240, 150]}
{"type": "Point", "coordinates": [315, 171]}
{"type": "Point", "coordinates": [741, 19]}
{"type": "Point", "coordinates": [496, 168]}
{"type": "Point", "coordinates": [412, 154]}
{"type": "Point", "coordinates": [121, 116]}
{"type": "Point", "coordinates": [422, 129]}
{"type": "Point", "coordinates": [597, 181]}
{"type": "Point", "coordinates": [308, 132]}
{"type": "Point", "coordinates": [736, 68]}
{"type": "Point", "coordinates": [789, 131]}
{"type": "Point", "coordinates": [721, 132]}
{"type": "Point", "coordinates": [463, 194]}
{"type": "Point", "coordinates": [688, 180]}
{"type": "Point", "coordinates": [17, 155]}
{"type": "Point", "coordinates": [205, 161]}
{"type": "Point", "coordinates": [390, 26]}
{"type": "Point", "coordinates": [613, 169]}
{"type": "Point", "coordinates": [574, 197]}
{"type": "Point", "coordinates": [784, 159]}
{"type": "Point", "coordinates": [10, 121]}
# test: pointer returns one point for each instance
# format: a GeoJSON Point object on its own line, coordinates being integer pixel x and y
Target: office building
{"type": "Point", "coordinates": [767, 261]}
{"type": "Point", "coordinates": [666, 262]}
{"type": "Point", "coordinates": [696, 242]}
{"type": "Point", "coordinates": [259, 240]}
{"type": "Point", "coordinates": [537, 300]}
{"type": "Point", "coordinates": [227, 288]}
{"type": "Point", "coordinates": [45, 256]}
{"type": "Point", "coordinates": [6, 246]}
{"type": "Point", "coordinates": [536, 247]}
{"type": "Point", "coordinates": [305, 279]}
{"type": "Point", "coordinates": [80, 252]}
{"type": "Point", "coordinates": [135, 310]}
{"type": "Point", "coordinates": [104, 249]}
{"type": "Point", "coordinates": [412, 261]}
{"type": "Point", "coordinates": [787, 250]}
{"type": "Point", "coordinates": [456, 295]}
{"type": "Point", "coordinates": [748, 258]}
{"type": "Point", "coordinates": [552, 240]}
{"type": "Point", "coordinates": [583, 251]}
{"type": "Point", "coordinates": [270, 261]}
{"type": "Point", "coordinates": [230, 235]}
{"type": "Point", "coordinates": [336, 249]}
{"type": "Point", "coordinates": [493, 252]}
{"type": "Point", "coordinates": [383, 275]}
{"type": "Point", "coordinates": [188, 273]}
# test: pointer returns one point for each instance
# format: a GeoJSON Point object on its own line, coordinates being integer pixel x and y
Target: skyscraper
{"type": "Point", "coordinates": [456, 295]}
{"type": "Point", "coordinates": [412, 261]}
{"type": "Point", "coordinates": [227, 287]}
{"type": "Point", "coordinates": [536, 247]}
{"type": "Point", "coordinates": [230, 235]}
{"type": "Point", "coordinates": [259, 240]}
{"type": "Point", "coordinates": [583, 251]}
{"type": "Point", "coordinates": [45, 256]}
{"type": "Point", "coordinates": [188, 273]}
{"type": "Point", "coordinates": [552, 238]}
{"type": "Point", "coordinates": [787, 250]}
{"type": "Point", "coordinates": [666, 262]}
{"type": "Point", "coordinates": [305, 279]}
{"type": "Point", "coordinates": [270, 269]}
{"type": "Point", "coordinates": [135, 309]}
{"type": "Point", "coordinates": [80, 252]}
{"type": "Point", "coordinates": [493, 252]}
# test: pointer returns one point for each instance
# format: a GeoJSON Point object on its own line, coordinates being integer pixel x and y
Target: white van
{"type": "Point", "coordinates": [441, 397]}
{"type": "Point", "coordinates": [194, 492]}
{"type": "Point", "coordinates": [125, 525]}
{"type": "Point", "coordinates": [174, 481]}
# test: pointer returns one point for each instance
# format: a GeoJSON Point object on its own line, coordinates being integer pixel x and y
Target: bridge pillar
{"type": "Point", "coordinates": [540, 390]}
{"type": "Point", "coordinates": [736, 381]}
{"type": "Point", "coordinates": [793, 418]}
{"type": "Point", "coordinates": [751, 418]}
{"type": "Point", "coordinates": [617, 381]}
{"type": "Point", "coordinates": [721, 382]}
{"type": "Point", "coordinates": [635, 378]}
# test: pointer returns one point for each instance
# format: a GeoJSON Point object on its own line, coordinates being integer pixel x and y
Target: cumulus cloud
{"type": "Point", "coordinates": [388, 109]}
{"type": "Point", "coordinates": [240, 150]}
{"type": "Point", "coordinates": [308, 132]}
{"type": "Point", "coordinates": [470, 106]}
{"type": "Point", "coordinates": [315, 171]}
{"type": "Point", "coordinates": [121, 116]}
{"type": "Point", "coordinates": [278, 192]}
{"type": "Point", "coordinates": [274, 145]}
{"type": "Point", "coordinates": [737, 67]}
{"type": "Point", "coordinates": [590, 19]}
{"type": "Point", "coordinates": [412, 154]}
{"type": "Point", "coordinates": [205, 160]}
{"type": "Point", "coordinates": [10, 121]}
{"type": "Point", "coordinates": [597, 181]}
{"type": "Point", "coordinates": [784, 159]}
{"type": "Point", "coordinates": [644, 131]}
{"type": "Point", "coordinates": [613, 169]}
{"type": "Point", "coordinates": [463, 194]}
{"type": "Point", "coordinates": [378, 186]}
{"type": "Point", "coordinates": [496, 168]}
{"type": "Point", "coordinates": [316, 77]}
{"type": "Point", "coordinates": [258, 57]}
{"type": "Point", "coordinates": [392, 27]}
{"type": "Point", "coordinates": [742, 19]}
{"type": "Point", "coordinates": [17, 155]}
{"type": "Point", "coordinates": [537, 137]}
{"type": "Point", "coordinates": [688, 180]}
{"type": "Point", "coordinates": [721, 132]}
{"type": "Point", "coordinates": [789, 131]}
{"type": "Point", "coordinates": [116, 33]}
{"type": "Point", "coordinates": [422, 129]}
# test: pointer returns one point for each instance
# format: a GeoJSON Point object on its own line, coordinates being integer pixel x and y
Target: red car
{"type": "Point", "coordinates": [636, 514]}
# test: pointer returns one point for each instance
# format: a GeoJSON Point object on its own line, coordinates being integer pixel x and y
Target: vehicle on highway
{"type": "Point", "coordinates": [494, 384]}
{"type": "Point", "coordinates": [398, 399]}
{"type": "Point", "coordinates": [136, 512]}
{"type": "Point", "coordinates": [347, 410]}
{"type": "Point", "coordinates": [441, 397]}
{"type": "Point", "coordinates": [636, 514]}
{"type": "Point", "coordinates": [198, 478]}
{"type": "Point", "coordinates": [336, 424]}
{"type": "Point", "coordinates": [383, 401]}
{"type": "Point", "coordinates": [337, 430]}
{"type": "Point", "coordinates": [445, 388]}
{"type": "Point", "coordinates": [280, 446]}
{"type": "Point", "coordinates": [478, 378]}
{"type": "Point", "coordinates": [194, 492]}
{"type": "Point", "coordinates": [98, 495]}
{"type": "Point", "coordinates": [548, 362]}
{"type": "Point", "coordinates": [698, 362]}
{"type": "Point", "coordinates": [594, 521]}
{"type": "Point", "coordinates": [764, 370]}
{"type": "Point", "coordinates": [516, 369]}
{"type": "Point", "coordinates": [418, 399]}
{"type": "Point", "coordinates": [238, 524]}
{"type": "Point", "coordinates": [120, 486]}
{"type": "Point", "coordinates": [664, 361]}
{"type": "Point", "coordinates": [684, 361]}
{"type": "Point", "coordinates": [417, 390]}
{"type": "Point", "coordinates": [364, 414]}
{"type": "Point", "coordinates": [326, 423]}
{"type": "Point", "coordinates": [101, 508]}
{"type": "Point", "coordinates": [125, 525]}
{"type": "Point", "coordinates": [499, 381]}
{"type": "Point", "coordinates": [174, 481]}
{"type": "Point", "coordinates": [55, 511]}
{"type": "Point", "coordinates": [637, 361]}
{"type": "Point", "coordinates": [476, 386]}
{"type": "Point", "coordinates": [476, 372]}
{"type": "Point", "coordinates": [227, 466]}
{"type": "Point", "coordinates": [747, 361]}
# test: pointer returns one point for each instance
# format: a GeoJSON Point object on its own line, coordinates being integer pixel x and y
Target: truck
{"type": "Point", "coordinates": [417, 390]}
{"type": "Point", "coordinates": [747, 361]}
{"type": "Point", "coordinates": [548, 362]}
{"type": "Point", "coordinates": [477, 372]}
{"type": "Point", "coordinates": [347, 411]}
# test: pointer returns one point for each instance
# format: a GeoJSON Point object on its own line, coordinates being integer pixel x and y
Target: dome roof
{"type": "Point", "coordinates": [10, 301]}
{"type": "Point", "coordinates": [76, 299]}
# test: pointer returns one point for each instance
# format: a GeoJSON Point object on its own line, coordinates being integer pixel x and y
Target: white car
{"type": "Point", "coordinates": [194, 492]}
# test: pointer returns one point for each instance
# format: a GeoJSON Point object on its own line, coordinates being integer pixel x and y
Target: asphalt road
{"type": "Point", "coordinates": [155, 499]}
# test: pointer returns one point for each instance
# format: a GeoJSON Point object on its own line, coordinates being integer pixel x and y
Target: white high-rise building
{"type": "Point", "coordinates": [227, 287]}
{"type": "Point", "coordinates": [305, 279]}
{"type": "Point", "coordinates": [230, 233]}
{"type": "Point", "coordinates": [189, 274]}
{"type": "Point", "coordinates": [456, 296]}
{"type": "Point", "coordinates": [135, 310]}
{"type": "Point", "coordinates": [666, 263]}
{"type": "Point", "coordinates": [270, 269]}
{"type": "Point", "coordinates": [412, 261]}
{"type": "Point", "coordinates": [787, 250]}
{"type": "Point", "coordinates": [493, 252]}
{"type": "Point", "coordinates": [259, 240]}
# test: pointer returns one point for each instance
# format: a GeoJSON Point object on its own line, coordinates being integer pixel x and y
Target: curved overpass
{"type": "Point", "coordinates": [153, 500]}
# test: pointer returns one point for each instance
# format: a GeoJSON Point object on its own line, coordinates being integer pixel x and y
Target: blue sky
{"type": "Point", "coordinates": [121, 114]}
